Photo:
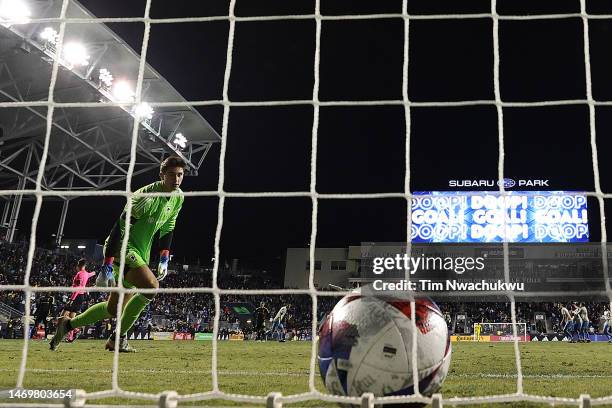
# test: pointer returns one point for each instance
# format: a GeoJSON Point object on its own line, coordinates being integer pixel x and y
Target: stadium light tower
{"type": "Point", "coordinates": [15, 10]}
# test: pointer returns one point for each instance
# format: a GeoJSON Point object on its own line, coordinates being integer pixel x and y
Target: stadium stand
{"type": "Point", "coordinates": [194, 312]}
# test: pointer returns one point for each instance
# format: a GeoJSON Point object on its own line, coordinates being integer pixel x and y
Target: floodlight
{"type": "Point", "coordinates": [49, 34]}
{"type": "Point", "coordinates": [76, 54]}
{"type": "Point", "coordinates": [144, 110]}
{"type": "Point", "coordinates": [14, 10]}
{"type": "Point", "coordinates": [106, 78]}
{"type": "Point", "coordinates": [180, 140]}
{"type": "Point", "coordinates": [123, 91]}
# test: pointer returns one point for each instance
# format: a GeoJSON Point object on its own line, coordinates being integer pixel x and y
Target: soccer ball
{"type": "Point", "coordinates": [365, 345]}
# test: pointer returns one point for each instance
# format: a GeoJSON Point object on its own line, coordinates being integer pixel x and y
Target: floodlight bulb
{"type": "Point", "coordinates": [106, 77]}
{"type": "Point", "coordinates": [49, 34]}
{"type": "Point", "coordinates": [180, 140]}
{"type": "Point", "coordinates": [76, 54]}
{"type": "Point", "coordinates": [123, 91]}
{"type": "Point", "coordinates": [14, 10]}
{"type": "Point", "coordinates": [144, 110]}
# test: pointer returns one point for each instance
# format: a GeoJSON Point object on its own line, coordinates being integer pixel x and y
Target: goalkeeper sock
{"type": "Point", "coordinates": [94, 314]}
{"type": "Point", "coordinates": [131, 311]}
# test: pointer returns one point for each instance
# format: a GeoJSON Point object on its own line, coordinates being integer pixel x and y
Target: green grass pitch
{"type": "Point", "coordinates": [553, 369]}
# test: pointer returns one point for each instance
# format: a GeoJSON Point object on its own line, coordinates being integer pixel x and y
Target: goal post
{"type": "Point", "coordinates": [500, 332]}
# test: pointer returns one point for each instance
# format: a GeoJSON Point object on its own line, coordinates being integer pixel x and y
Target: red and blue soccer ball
{"type": "Point", "coordinates": [365, 345]}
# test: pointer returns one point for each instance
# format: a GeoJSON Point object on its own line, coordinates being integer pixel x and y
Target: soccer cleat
{"type": "Point", "coordinates": [61, 332]}
{"type": "Point", "coordinates": [124, 346]}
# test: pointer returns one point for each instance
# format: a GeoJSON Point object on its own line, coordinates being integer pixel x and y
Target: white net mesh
{"type": "Point", "coordinates": [276, 399]}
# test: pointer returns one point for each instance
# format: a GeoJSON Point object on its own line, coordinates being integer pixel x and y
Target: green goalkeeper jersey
{"type": "Point", "coordinates": [149, 215]}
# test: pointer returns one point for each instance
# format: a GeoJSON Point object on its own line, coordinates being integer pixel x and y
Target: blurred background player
{"type": "Point", "coordinates": [607, 328]}
{"type": "Point", "coordinates": [43, 309]}
{"type": "Point", "coordinates": [568, 323]}
{"type": "Point", "coordinates": [106, 277]}
{"type": "Point", "coordinates": [78, 298]}
{"type": "Point", "coordinates": [477, 330]}
{"type": "Point", "coordinates": [277, 324]}
{"type": "Point", "coordinates": [261, 317]}
{"type": "Point", "coordinates": [577, 321]}
{"type": "Point", "coordinates": [584, 315]}
{"type": "Point", "coordinates": [149, 215]}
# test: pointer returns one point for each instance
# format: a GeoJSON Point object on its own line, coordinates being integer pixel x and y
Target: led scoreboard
{"type": "Point", "coordinates": [528, 216]}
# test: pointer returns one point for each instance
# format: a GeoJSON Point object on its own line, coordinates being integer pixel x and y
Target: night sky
{"type": "Point", "coordinates": [362, 149]}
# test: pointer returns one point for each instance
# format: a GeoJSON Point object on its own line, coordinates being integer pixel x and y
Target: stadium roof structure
{"type": "Point", "coordinates": [89, 145]}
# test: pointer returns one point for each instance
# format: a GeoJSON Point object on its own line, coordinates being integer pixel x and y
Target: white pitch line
{"type": "Point", "coordinates": [289, 373]}
{"type": "Point", "coordinates": [544, 376]}
{"type": "Point", "coordinates": [163, 371]}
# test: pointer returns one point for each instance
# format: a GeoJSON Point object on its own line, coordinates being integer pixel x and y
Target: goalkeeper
{"type": "Point", "coordinates": [149, 215]}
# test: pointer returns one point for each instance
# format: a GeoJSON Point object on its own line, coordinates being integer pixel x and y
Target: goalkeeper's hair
{"type": "Point", "coordinates": [82, 263]}
{"type": "Point", "coordinates": [172, 161]}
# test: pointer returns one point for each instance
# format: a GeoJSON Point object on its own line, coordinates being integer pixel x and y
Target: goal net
{"type": "Point", "coordinates": [514, 332]}
{"type": "Point", "coordinates": [504, 332]}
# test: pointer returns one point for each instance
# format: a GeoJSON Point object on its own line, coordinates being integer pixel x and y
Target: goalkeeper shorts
{"type": "Point", "coordinates": [133, 259]}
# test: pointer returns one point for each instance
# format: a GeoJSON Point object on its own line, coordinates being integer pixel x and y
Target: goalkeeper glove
{"type": "Point", "coordinates": [106, 277]}
{"type": "Point", "coordinates": [162, 267]}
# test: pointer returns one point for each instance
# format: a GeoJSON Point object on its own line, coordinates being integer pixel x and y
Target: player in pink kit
{"type": "Point", "coordinates": [77, 299]}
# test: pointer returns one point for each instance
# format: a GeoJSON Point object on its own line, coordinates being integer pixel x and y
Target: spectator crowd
{"type": "Point", "coordinates": [194, 312]}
